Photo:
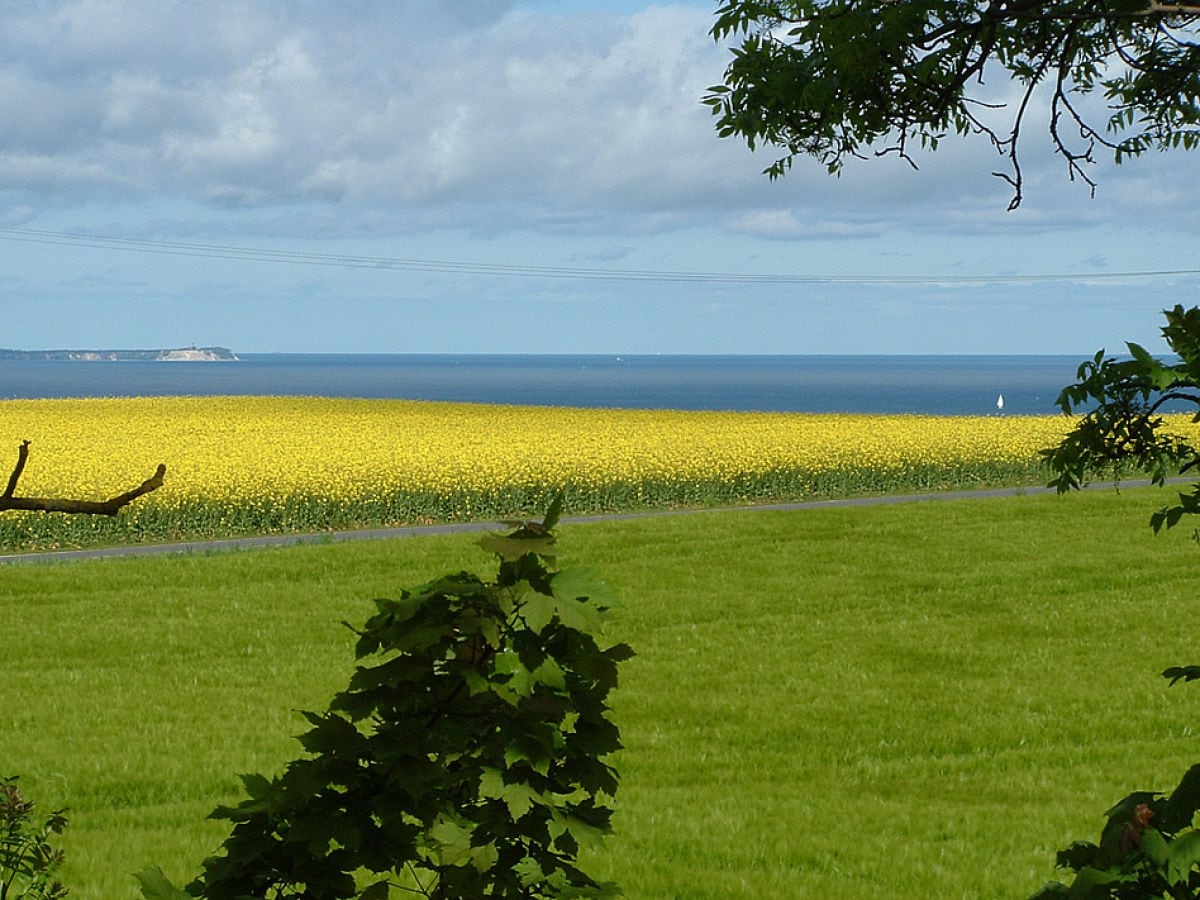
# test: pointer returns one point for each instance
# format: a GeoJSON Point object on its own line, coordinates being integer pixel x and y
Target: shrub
{"type": "Point", "coordinates": [468, 759]}
{"type": "Point", "coordinates": [27, 861]}
{"type": "Point", "coordinates": [1148, 848]}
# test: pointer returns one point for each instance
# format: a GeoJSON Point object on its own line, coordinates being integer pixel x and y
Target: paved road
{"type": "Point", "coordinates": [372, 534]}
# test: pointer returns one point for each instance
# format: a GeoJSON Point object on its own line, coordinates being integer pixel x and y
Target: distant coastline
{"type": "Point", "coordinates": [918, 385]}
{"type": "Point", "coordinates": [178, 354]}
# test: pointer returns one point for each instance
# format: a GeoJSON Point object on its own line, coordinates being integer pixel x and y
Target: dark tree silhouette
{"type": "Point", "coordinates": [855, 78]}
{"type": "Point", "coordinates": [110, 507]}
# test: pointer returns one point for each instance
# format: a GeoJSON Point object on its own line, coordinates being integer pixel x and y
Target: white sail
{"type": "Point", "coordinates": [1000, 402]}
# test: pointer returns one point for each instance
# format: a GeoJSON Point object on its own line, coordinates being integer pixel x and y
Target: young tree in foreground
{"type": "Point", "coordinates": [850, 78]}
{"type": "Point", "coordinates": [27, 860]}
{"type": "Point", "coordinates": [468, 759]}
{"type": "Point", "coordinates": [1149, 846]}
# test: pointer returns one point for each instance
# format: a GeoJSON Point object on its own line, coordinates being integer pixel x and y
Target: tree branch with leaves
{"type": "Point", "coordinates": [839, 79]}
{"type": "Point", "coordinates": [1123, 428]}
{"type": "Point", "coordinates": [1149, 846]}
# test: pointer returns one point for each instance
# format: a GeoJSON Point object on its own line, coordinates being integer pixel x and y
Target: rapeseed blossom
{"type": "Point", "coordinates": [283, 463]}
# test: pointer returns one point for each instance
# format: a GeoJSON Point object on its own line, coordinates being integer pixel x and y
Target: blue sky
{"type": "Point", "coordinates": [510, 177]}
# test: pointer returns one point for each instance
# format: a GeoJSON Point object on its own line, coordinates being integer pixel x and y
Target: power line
{"type": "Point", "coordinates": [448, 267]}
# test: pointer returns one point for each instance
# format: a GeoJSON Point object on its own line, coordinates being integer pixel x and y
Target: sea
{"type": "Point", "coordinates": [928, 385]}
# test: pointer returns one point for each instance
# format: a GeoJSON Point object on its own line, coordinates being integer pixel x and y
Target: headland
{"type": "Point", "coordinates": [178, 354]}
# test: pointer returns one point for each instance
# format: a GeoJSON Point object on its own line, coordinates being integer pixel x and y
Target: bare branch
{"type": "Point", "coordinates": [22, 455]}
{"type": "Point", "coordinates": [1017, 178]}
{"type": "Point", "coordinates": [109, 507]}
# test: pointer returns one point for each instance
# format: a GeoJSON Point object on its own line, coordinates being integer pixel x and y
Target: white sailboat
{"type": "Point", "coordinates": [1000, 402]}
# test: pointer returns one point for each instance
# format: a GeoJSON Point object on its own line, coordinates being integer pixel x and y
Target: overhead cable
{"type": "Point", "coordinates": [450, 267]}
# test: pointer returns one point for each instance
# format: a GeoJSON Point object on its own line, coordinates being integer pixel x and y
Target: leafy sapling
{"type": "Point", "coordinates": [27, 860]}
{"type": "Point", "coordinates": [468, 757]}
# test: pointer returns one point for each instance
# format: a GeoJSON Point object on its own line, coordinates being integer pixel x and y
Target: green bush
{"type": "Point", "coordinates": [27, 861]}
{"type": "Point", "coordinates": [467, 760]}
{"type": "Point", "coordinates": [1147, 849]}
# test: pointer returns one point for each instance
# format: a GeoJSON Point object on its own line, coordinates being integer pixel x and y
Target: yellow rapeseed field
{"type": "Point", "coordinates": [251, 448]}
{"type": "Point", "coordinates": [280, 463]}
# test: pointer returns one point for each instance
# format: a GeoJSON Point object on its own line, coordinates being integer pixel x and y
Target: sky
{"type": "Point", "coordinates": [517, 176]}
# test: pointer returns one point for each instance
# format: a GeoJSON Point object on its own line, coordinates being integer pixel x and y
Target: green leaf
{"type": "Point", "coordinates": [514, 754]}
{"type": "Point", "coordinates": [579, 615]}
{"type": "Point", "coordinates": [1179, 810]}
{"type": "Point", "coordinates": [1154, 846]}
{"type": "Point", "coordinates": [1077, 855]}
{"type": "Point", "coordinates": [581, 597]}
{"type": "Point", "coordinates": [453, 841]}
{"type": "Point", "coordinates": [257, 786]}
{"type": "Point", "coordinates": [473, 671]}
{"type": "Point", "coordinates": [619, 653]}
{"type": "Point", "coordinates": [330, 733]}
{"type": "Point", "coordinates": [1183, 857]}
{"type": "Point", "coordinates": [1141, 354]}
{"type": "Point", "coordinates": [520, 798]}
{"type": "Point", "coordinates": [1182, 673]}
{"type": "Point", "coordinates": [485, 857]}
{"type": "Point", "coordinates": [491, 784]}
{"type": "Point", "coordinates": [538, 610]}
{"type": "Point", "coordinates": [583, 584]}
{"type": "Point", "coordinates": [519, 681]}
{"type": "Point", "coordinates": [553, 512]}
{"type": "Point", "coordinates": [1159, 375]}
{"type": "Point", "coordinates": [550, 674]}
{"type": "Point", "coordinates": [155, 886]}
{"type": "Point", "coordinates": [510, 548]}
{"type": "Point", "coordinates": [1092, 884]}
{"type": "Point", "coordinates": [529, 871]}
{"type": "Point", "coordinates": [378, 891]}
{"type": "Point", "coordinates": [586, 834]}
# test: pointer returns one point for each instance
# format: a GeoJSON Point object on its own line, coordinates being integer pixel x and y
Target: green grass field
{"type": "Point", "coordinates": [920, 700]}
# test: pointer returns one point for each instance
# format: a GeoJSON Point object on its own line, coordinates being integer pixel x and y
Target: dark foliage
{"type": "Point", "coordinates": [850, 78]}
{"type": "Point", "coordinates": [1149, 846]}
{"type": "Point", "coordinates": [467, 758]}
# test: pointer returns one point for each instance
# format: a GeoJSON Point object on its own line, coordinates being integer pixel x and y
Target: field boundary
{"type": "Point", "coordinates": [375, 534]}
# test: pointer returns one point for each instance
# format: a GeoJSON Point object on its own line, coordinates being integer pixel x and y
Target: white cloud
{"type": "Point", "coordinates": [468, 114]}
{"type": "Point", "coordinates": [785, 224]}
{"type": "Point", "coordinates": [408, 104]}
